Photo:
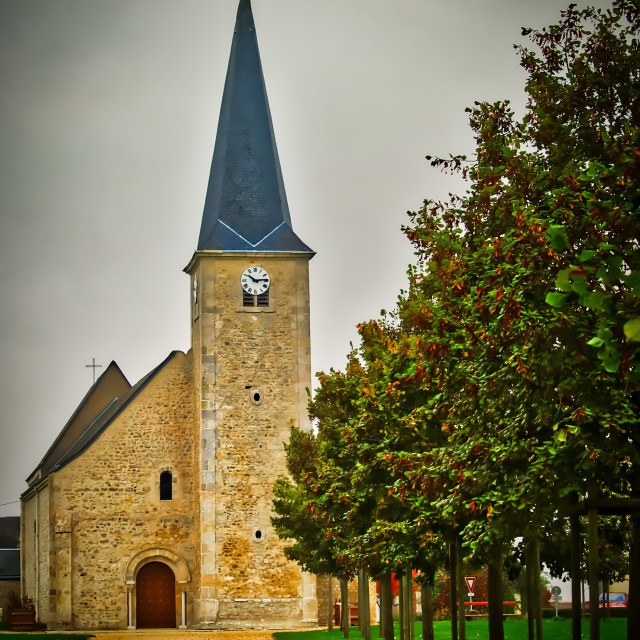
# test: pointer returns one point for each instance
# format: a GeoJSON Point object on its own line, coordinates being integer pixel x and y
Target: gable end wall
{"type": "Point", "coordinates": [106, 505]}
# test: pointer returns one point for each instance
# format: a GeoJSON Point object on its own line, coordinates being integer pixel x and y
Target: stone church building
{"type": "Point", "coordinates": [152, 506]}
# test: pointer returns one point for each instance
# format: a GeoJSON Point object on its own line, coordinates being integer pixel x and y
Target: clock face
{"type": "Point", "coordinates": [255, 280]}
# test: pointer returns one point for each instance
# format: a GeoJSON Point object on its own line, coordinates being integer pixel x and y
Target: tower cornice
{"type": "Point", "coordinates": [248, 255]}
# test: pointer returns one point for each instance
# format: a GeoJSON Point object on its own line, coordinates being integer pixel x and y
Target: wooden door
{"type": "Point", "coordinates": [155, 597]}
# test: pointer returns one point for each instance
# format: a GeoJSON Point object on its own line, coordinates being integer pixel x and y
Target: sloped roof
{"type": "Point", "coordinates": [9, 564]}
{"type": "Point", "coordinates": [101, 421]}
{"type": "Point", "coordinates": [9, 532]}
{"type": "Point", "coordinates": [246, 205]}
{"type": "Point", "coordinates": [111, 384]}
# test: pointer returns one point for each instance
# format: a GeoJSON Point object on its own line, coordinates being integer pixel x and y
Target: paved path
{"type": "Point", "coordinates": [170, 634]}
{"type": "Point", "coordinates": [184, 634]}
{"type": "Point", "coordinates": [187, 634]}
{"type": "Point", "coordinates": [166, 634]}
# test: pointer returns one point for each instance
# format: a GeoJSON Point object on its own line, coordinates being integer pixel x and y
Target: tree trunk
{"type": "Point", "coordinates": [409, 599]}
{"type": "Point", "coordinates": [531, 611]}
{"type": "Point", "coordinates": [330, 598]}
{"type": "Point", "coordinates": [453, 571]}
{"type": "Point", "coordinates": [426, 597]}
{"type": "Point", "coordinates": [576, 577]}
{"type": "Point", "coordinates": [364, 614]}
{"type": "Point", "coordinates": [633, 609]}
{"type": "Point", "coordinates": [534, 610]}
{"type": "Point", "coordinates": [386, 608]}
{"type": "Point", "coordinates": [367, 594]}
{"type": "Point", "coordinates": [381, 601]}
{"type": "Point", "coordinates": [344, 607]}
{"type": "Point", "coordinates": [462, 590]}
{"type": "Point", "coordinates": [496, 597]}
{"type": "Point", "coordinates": [360, 601]}
{"type": "Point", "coordinates": [594, 571]}
{"type": "Point", "coordinates": [401, 608]}
{"type": "Point", "coordinates": [537, 586]}
{"type": "Point", "coordinates": [406, 604]}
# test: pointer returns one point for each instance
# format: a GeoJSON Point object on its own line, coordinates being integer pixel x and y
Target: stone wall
{"type": "Point", "coordinates": [7, 589]}
{"type": "Point", "coordinates": [323, 597]}
{"type": "Point", "coordinates": [107, 507]}
{"type": "Point", "coordinates": [255, 367]}
{"type": "Point", "coordinates": [322, 586]}
{"type": "Point", "coordinates": [217, 419]}
{"type": "Point", "coordinates": [35, 535]}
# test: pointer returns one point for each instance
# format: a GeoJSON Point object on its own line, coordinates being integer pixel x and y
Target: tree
{"type": "Point", "coordinates": [553, 200]}
{"type": "Point", "coordinates": [299, 518]}
{"type": "Point", "coordinates": [592, 142]}
{"type": "Point", "coordinates": [394, 437]}
{"type": "Point", "coordinates": [506, 383]}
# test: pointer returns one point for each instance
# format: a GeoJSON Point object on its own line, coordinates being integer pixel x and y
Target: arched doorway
{"type": "Point", "coordinates": [155, 596]}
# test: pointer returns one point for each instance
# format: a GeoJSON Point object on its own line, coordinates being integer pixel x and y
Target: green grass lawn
{"type": "Point", "coordinates": [614, 629]}
{"type": "Point", "coordinates": [40, 635]}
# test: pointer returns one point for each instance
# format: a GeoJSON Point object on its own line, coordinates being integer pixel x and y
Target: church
{"type": "Point", "coordinates": [152, 506]}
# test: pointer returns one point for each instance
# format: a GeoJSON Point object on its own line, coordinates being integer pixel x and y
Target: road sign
{"type": "Point", "coordinates": [556, 591]}
{"type": "Point", "coordinates": [471, 583]}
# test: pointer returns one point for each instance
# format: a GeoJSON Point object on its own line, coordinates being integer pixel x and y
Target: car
{"type": "Point", "coordinates": [616, 599]}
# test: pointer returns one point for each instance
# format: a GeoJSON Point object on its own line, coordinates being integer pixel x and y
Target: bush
{"type": "Point", "coordinates": [16, 602]}
{"type": "Point", "coordinates": [442, 614]}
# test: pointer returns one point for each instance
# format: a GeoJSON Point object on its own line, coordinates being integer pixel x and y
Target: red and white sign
{"type": "Point", "coordinates": [471, 583]}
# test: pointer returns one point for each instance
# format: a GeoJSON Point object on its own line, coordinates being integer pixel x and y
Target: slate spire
{"type": "Point", "coordinates": [246, 206]}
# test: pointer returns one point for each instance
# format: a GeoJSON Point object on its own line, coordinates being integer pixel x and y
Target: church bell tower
{"type": "Point", "coordinates": [251, 349]}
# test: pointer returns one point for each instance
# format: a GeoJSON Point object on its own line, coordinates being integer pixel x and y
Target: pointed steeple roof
{"type": "Point", "coordinates": [246, 206]}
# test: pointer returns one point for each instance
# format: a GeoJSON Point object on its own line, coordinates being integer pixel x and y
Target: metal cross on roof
{"type": "Point", "coordinates": [93, 366]}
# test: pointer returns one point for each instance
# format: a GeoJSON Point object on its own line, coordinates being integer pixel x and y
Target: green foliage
{"type": "Point", "coordinates": [506, 378]}
{"type": "Point", "coordinates": [296, 514]}
{"type": "Point", "coordinates": [525, 292]}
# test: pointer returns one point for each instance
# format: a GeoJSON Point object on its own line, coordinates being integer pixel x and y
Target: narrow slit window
{"type": "Point", "coordinates": [166, 485]}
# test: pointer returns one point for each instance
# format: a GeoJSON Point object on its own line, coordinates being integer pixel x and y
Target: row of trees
{"type": "Point", "coordinates": [505, 385]}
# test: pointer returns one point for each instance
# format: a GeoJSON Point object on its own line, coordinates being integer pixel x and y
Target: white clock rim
{"type": "Point", "coordinates": [262, 270]}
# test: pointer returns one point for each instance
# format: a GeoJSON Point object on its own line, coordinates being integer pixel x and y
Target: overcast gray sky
{"type": "Point", "coordinates": [108, 114]}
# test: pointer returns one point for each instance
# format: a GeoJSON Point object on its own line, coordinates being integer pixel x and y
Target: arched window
{"type": "Point", "coordinates": [166, 485]}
